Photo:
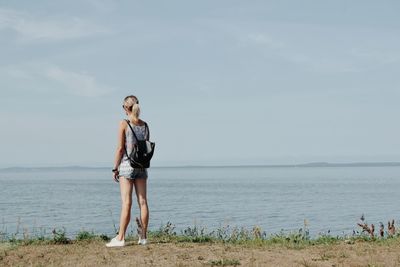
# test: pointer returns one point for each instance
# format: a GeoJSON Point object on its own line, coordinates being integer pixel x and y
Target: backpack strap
{"type": "Point", "coordinates": [147, 131]}
{"type": "Point", "coordinates": [127, 121]}
{"type": "Point", "coordinates": [126, 150]}
{"type": "Point", "coordinates": [137, 140]}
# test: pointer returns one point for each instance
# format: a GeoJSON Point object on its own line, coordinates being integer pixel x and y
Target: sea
{"type": "Point", "coordinates": [325, 200]}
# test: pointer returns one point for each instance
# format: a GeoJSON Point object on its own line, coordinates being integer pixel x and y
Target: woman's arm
{"type": "Point", "coordinates": [121, 144]}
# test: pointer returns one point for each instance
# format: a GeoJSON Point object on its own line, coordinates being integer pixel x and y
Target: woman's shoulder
{"type": "Point", "coordinates": [140, 123]}
{"type": "Point", "coordinates": [123, 123]}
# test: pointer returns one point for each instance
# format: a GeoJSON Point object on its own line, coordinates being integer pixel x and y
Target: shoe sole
{"type": "Point", "coordinates": [114, 246]}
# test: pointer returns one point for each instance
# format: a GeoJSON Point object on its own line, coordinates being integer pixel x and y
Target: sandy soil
{"type": "Point", "coordinates": [94, 253]}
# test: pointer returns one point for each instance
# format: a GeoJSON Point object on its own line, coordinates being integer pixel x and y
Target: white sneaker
{"type": "Point", "coordinates": [142, 241]}
{"type": "Point", "coordinates": [115, 243]}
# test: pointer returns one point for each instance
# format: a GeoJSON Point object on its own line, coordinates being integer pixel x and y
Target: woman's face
{"type": "Point", "coordinates": [125, 109]}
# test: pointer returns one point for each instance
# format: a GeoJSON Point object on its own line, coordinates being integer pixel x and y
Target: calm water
{"type": "Point", "coordinates": [330, 198]}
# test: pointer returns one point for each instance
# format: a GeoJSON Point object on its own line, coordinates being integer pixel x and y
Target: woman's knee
{"type": "Point", "coordinates": [142, 202]}
{"type": "Point", "coordinates": [127, 203]}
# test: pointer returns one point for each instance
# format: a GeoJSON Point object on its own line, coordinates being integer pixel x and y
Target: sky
{"type": "Point", "coordinates": [222, 82]}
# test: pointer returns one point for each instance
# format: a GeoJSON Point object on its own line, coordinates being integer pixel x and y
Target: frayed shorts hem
{"type": "Point", "coordinates": [134, 174]}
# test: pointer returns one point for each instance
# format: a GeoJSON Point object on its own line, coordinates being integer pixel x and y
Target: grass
{"type": "Point", "coordinates": [256, 237]}
{"type": "Point", "coordinates": [196, 246]}
{"type": "Point", "coordinates": [224, 262]}
{"type": "Point", "coordinates": [85, 235]}
{"type": "Point", "coordinates": [225, 235]}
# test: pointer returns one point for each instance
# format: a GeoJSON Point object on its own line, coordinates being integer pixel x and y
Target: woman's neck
{"type": "Point", "coordinates": [135, 121]}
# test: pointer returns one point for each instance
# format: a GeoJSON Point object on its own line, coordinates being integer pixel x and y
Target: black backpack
{"type": "Point", "coordinates": [142, 151]}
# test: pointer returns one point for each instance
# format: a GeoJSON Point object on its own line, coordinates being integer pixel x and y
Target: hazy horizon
{"type": "Point", "coordinates": [219, 82]}
{"type": "Point", "coordinates": [300, 164]}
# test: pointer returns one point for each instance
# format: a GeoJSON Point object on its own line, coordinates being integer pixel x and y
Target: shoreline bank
{"type": "Point", "coordinates": [92, 252]}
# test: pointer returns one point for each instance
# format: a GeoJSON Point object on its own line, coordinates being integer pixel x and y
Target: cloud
{"type": "Point", "coordinates": [77, 83]}
{"type": "Point", "coordinates": [31, 28]}
{"type": "Point", "coordinates": [47, 77]}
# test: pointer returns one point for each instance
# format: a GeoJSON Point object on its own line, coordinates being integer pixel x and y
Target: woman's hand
{"type": "Point", "coordinates": [115, 176]}
{"type": "Point", "coordinates": [120, 149]}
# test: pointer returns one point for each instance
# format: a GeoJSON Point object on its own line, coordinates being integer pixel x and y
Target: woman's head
{"type": "Point", "coordinates": [131, 106]}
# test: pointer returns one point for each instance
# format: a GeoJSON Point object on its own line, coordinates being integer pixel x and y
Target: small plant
{"type": "Point", "coordinates": [85, 235]}
{"type": "Point", "coordinates": [223, 233]}
{"type": "Point", "coordinates": [165, 233]}
{"type": "Point", "coordinates": [3, 236]}
{"type": "Point", "coordinates": [224, 262]}
{"type": "Point", "coordinates": [195, 234]}
{"type": "Point", "coordinates": [391, 229]}
{"type": "Point", "coordinates": [370, 229]}
{"type": "Point", "coordinates": [59, 236]}
{"type": "Point", "coordinates": [257, 232]}
{"type": "Point", "coordinates": [12, 239]}
{"type": "Point", "coordinates": [168, 229]}
{"type": "Point", "coordinates": [326, 239]}
{"type": "Point", "coordinates": [104, 237]}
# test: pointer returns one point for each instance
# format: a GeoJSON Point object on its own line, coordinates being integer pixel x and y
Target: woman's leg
{"type": "Point", "coordinates": [141, 194]}
{"type": "Point", "coordinates": [126, 186]}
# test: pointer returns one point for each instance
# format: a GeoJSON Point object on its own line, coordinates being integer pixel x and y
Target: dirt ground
{"type": "Point", "coordinates": [94, 253]}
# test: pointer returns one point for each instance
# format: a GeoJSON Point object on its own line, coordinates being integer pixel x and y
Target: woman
{"type": "Point", "coordinates": [128, 176]}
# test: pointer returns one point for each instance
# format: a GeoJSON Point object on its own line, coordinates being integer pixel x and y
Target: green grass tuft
{"type": "Point", "coordinates": [85, 235]}
{"type": "Point", "coordinates": [59, 236]}
{"type": "Point", "coordinates": [224, 262]}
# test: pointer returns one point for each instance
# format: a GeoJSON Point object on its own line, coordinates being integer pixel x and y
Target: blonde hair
{"type": "Point", "coordinates": [131, 103]}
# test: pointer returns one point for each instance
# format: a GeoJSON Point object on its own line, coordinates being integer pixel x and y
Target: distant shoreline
{"type": "Point", "coordinates": [302, 165]}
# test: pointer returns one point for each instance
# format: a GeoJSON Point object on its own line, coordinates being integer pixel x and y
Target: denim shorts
{"type": "Point", "coordinates": [125, 170]}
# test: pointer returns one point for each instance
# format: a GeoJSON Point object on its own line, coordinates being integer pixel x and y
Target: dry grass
{"type": "Point", "coordinates": [94, 253]}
